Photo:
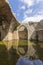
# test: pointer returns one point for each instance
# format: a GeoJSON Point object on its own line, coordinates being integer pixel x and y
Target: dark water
{"type": "Point", "coordinates": [11, 51]}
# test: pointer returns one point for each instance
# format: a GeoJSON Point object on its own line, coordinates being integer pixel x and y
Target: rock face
{"type": "Point", "coordinates": [7, 20]}
{"type": "Point", "coordinates": [5, 10]}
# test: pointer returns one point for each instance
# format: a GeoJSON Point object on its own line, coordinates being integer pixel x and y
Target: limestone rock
{"type": "Point", "coordinates": [6, 19]}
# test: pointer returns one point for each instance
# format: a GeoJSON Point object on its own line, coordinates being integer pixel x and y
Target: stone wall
{"type": "Point", "coordinates": [34, 31]}
{"type": "Point", "coordinates": [23, 32]}
{"type": "Point", "coordinates": [11, 36]}
{"type": "Point", "coordinates": [40, 35]}
{"type": "Point", "coordinates": [15, 35]}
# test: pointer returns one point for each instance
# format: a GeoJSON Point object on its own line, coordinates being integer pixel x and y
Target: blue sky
{"type": "Point", "coordinates": [27, 9]}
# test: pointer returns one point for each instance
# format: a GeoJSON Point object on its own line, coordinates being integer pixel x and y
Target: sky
{"type": "Point", "coordinates": [27, 10]}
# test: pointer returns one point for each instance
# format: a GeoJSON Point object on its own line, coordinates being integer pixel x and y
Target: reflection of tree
{"type": "Point", "coordinates": [13, 56]}
{"type": "Point", "coordinates": [3, 55]}
{"type": "Point", "coordinates": [8, 57]}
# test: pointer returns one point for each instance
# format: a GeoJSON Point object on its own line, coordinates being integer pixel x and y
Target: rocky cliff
{"type": "Point", "coordinates": [8, 22]}
{"type": "Point", "coordinates": [5, 12]}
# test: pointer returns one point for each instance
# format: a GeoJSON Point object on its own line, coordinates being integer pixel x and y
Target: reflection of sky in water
{"type": "Point", "coordinates": [27, 61]}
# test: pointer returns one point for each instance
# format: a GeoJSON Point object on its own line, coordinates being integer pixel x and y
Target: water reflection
{"type": "Point", "coordinates": [22, 47]}
{"type": "Point", "coordinates": [25, 48]}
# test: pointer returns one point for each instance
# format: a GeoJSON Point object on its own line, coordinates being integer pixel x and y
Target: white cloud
{"type": "Point", "coordinates": [31, 2]}
{"type": "Point", "coordinates": [40, 12]}
{"type": "Point", "coordinates": [38, 1]}
{"type": "Point", "coordinates": [25, 16]}
{"type": "Point", "coordinates": [28, 11]}
{"type": "Point", "coordinates": [34, 19]}
{"type": "Point", "coordinates": [23, 7]}
{"type": "Point", "coordinates": [28, 2]}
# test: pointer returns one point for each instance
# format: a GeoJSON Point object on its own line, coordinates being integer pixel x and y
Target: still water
{"type": "Point", "coordinates": [11, 51]}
